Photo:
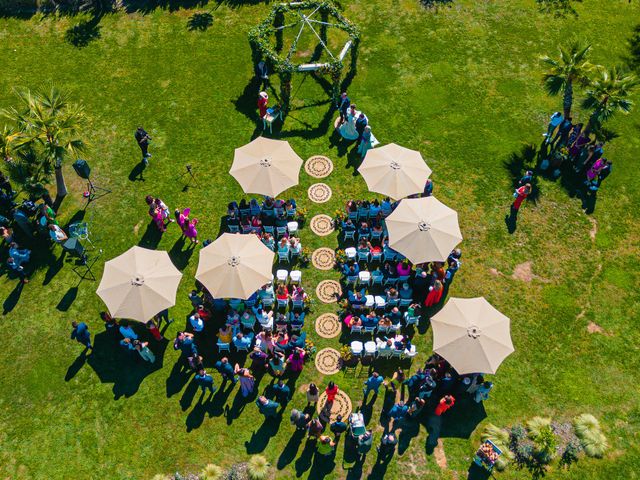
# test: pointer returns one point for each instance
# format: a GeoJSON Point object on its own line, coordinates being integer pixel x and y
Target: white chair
{"type": "Point", "coordinates": [295, 276]}
{"type": "Point", "coordinates": [411, 352]}
{"type": "Point", "coordinates": [370, 301]}
{"type": "Point", "coordinates": [282, 275]}
{"type": "Point", "coordinates": [370, 348]}
{"type": "Point", "coordinates": [356, 329]}
{"type": "Point", "coordinates": [350, 252]}
{"type": "Point", "coordinates": [357, 348]}
{"type": "Point", "coordinates": [380, 301]}
{"type": "Point", "coordinates": [364, 278]}
{"type": "Point", "coordinates": [292, 227]}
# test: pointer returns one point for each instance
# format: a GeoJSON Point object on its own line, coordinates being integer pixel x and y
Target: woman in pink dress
{"type": "Point", "coordinates": [296, 360]}
{"type": "Point", "coordinates": [595, 169]}
{"type": "Point", "coordinates": [182, 219]}
{"type": "Point", "coordinates": [191, 232]}
{"type": "Point", "coordinates": [435, 294]}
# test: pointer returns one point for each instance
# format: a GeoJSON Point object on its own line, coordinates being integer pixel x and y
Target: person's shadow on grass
{"type": "Point", "coordinates": [137, 171]}
{"type": "Point", "coordinates": [151, 237]}
{"type": "Point", "coordinates": [322, 466]}
{"type": "Point", "coordinates": [511, 220]}
{"type": "Point", "coordinates": [260, 438]}
{"type": "Point", "coordinates": [303, 463]}
{"type": "Point", "coordinates": [12, 299]}
{"type": "Point", "coordinates": [77, 364]}
{"type": "Point", "coordinates": [291, 449]}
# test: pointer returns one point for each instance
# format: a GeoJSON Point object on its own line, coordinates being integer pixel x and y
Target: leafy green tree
{"type": "Point", "coordinates": [607, 94]}
{"type": "Point", "coordinates": [572, 66]}
{"type": "Point", "coordinates": [48, 127]}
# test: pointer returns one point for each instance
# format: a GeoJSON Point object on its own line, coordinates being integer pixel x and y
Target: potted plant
{"type": "Point", "coordinates": [347, 358]}
{"type": "Point", "coordinates": [304, 257]}
{"type": "Point", "coordinates": [301, 216]}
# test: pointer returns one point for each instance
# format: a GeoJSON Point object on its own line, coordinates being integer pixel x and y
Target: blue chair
{"type": "Point", "coordinates": [223, 347]}
{"type": "Point", "coordinates": [245, 212]}
{"type": "Point", "coordinates": [350, 235]}
{"type": "Point", "coordinates": [233, 228]}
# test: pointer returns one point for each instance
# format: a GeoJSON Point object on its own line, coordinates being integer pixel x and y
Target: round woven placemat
{"type": "Point", "coordinates": [318, 166]}
{"type": "Point", "coordinates": [341, 406]}
{"type": "Point", "coordinates": [321, 225]}
{"type": "Point", "coordinates": [319, 192]}
{"type": "Point", "coordinates": [328, 361]}
{"type": "Point", "coordinates": [328, 291]}
{"type": "Point", "coordinates": [323, 258]}
{"type": "Point", "coordinates": [328, 325]}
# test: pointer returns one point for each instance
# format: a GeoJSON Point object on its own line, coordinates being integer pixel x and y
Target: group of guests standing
{"type": "Point", "coordinates": [161, 216]}
{"type": "Point", "coordinates": [354, 125]}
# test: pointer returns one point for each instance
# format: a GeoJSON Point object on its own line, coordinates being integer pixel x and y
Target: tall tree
{"type": "Point", "coordinates": [49, 126]}
{"type": "Point", "coordinates": [607, 94]}
{"type": "Point", "coordinates": [572, 67]}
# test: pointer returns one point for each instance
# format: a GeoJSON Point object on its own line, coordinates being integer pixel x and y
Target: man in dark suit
{"type": "Point", "coordinates": [343, 105]}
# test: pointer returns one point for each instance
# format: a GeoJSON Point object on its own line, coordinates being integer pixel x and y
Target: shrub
{"type": "Point", "coordinates": [545, 444]}
{"type": "Point", "coordinates": [585, 423]}
{"type": "Point", "coordinates": [536, 424]}
{"type": "Point", "coordinates": [595, 444]}
{"type": "Point", "coordinates": [212, 472]}
{"type": "Point", "coordinates": [497, 435]}
{"type": "Point", "coordinates": [570, 454]}
{"type": "Point", "coordinates": [258, 467]}
{"type": "Point", "coordinates": [161, 476]}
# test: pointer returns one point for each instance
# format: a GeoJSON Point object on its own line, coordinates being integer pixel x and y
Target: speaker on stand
{"type": "Point", "coordinates": [83, 170]}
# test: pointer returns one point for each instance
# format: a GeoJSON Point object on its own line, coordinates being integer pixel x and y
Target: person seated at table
{"type": "Point", "coordinates": [290, 207]}
{"type": "Point", "coordinates": [348, 226]}
{"type": "Point", "coordinates": [403, 268]}
{"type": "Point", "coordinates": [374, 208]}
{"type": "Point", "coordinates": [395, 315]}
{"type": "Point", "coordinates": [282, 292]}
{"type": "Point", "coordinates": [277, 364]}
{"type": "Point", "coordinates": [357, 298]}
{"type": "Point", "coordinates": [265, 319]}
{"type": "Point", "coordinates": [297, 341]}
{"type": "Point", "coordinates": [405, 292]}
{"type": "Point", "coordinates": [256, 222]}
{"type": "Point", "coordinates": [232, 209]}
{"type": "Point", "coordinates": [265, 341]}
{"type": "Point", "coordinates": [243, 205]}
{"type": "Point", "coordinates": [352, 321]}
{"type": "Point", "coordinates": [254, 207]}
{"type": "Point", "coordinates": [389, 271]}
{"type": "Point", "coordinates": [267, 219]}
{"type": "Point", "coordinates": [281, 221]}
{"type": "Point", "coordinates": [364, 229]}
{"type": "Point", "coordinates": [299, 295]}
{"type": "Point", "coordinates": [295, 362]}
{"type": "Point", "coordinates": [281, 321]}
{"type": "Point", "coordinates": [296, 319]}
{"type": "Point", "coordinates": [283, 246]}
{"type": "Point", "coordinates": [233, 318]}
{"type": "Point", "coordinates": [385, 322]}
{"type": "Point", "coordinates": [391, 295]}
{"type": "Point", "coordinates": [351, 269]}
{"type": "Point", "coordinates": [242, 341]}
{"type": "Point", "coordinates": [225, 334]}
{"type": "Point", "coordinates": [369, 320]}
{"type": "Point", "coordinates": [57, 234]}
{"type": "Point", "coordinates": [266, 291]}
{"type": "Point", "coordinates": [281, 342]}
{"type": "Point", "coordinates": [295, 246]}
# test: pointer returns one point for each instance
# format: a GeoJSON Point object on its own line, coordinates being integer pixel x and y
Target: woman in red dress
{"type": "Point", "coordinates": [263, 100]}
{"type": "Point", "coordinates": [522, 193]}
{"type": "Point", "coordinates": [331, 391]}
{"type": "Point", "coordinates": [435, 294]}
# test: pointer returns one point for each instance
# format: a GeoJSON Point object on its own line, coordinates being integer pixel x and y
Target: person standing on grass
{"type": "Point", "coordinates": [226, 370]}
{"type": "Point", "coordinates": [267, 407]}
{"type": "Point", "coordinates": [338, 427]}
{"type": "Point", "coordinates": [80, 334]}
{"type": "Point", "coordinates": [204, 381]}
{"type": "Point", "coordinates": [331, 391]}
{"type": "Point", "coordinates": [372, 384]}
{"type": "Point", "coordinates": [325, 445]}
{"type": "Point", "coordinates": [520, 194]}
{"type": "Point", "coordinates": [143, 138]}
{"type": "Point", "coordinates": [263, 101]}
{"type": "Point", "coordinates": [144, 351]}
{"type": "Point", "coordinates": [343, 106]}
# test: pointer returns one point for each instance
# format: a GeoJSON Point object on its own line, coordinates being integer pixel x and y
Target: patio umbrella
{"type": "Point", "coordinates": [139, 283]}
{"type": "Point", "coordinates": [423, 229]}
{"type": "Point", "coordinates": [394, 171]}
{"type": "Point", "coordinates": [266, 166]}
{"type": "Point", "coordinates": [471, 335]}
{"type": "Point", "coordinates": [235, 266]}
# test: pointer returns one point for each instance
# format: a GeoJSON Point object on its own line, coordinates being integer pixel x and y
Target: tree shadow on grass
{"type": "Point", "coordinates": [83, 33]}
{"type": "Point", "coordinates": [518, 163]}
{"type": "Point", "coordinates": [291, 449]}
{"type": "Point", "coordinates": [126, 372]}
{"type": "Point", "coordinates": [633, 57]}
{"type": "Point", "coordinates": [199, 21]}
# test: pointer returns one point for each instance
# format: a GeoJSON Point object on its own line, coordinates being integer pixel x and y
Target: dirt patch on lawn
{"type": "Point", "coordinates": [594, 228]}
{"type": "Point", "coordinates": [593, 327]}
{"type": "Point", "coordinates": [439, 455]}
{"type": "Point", "coordinates": [523, 272]}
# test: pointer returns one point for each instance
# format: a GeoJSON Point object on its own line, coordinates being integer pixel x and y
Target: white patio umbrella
{"type": "Point", "coordinates": [266, 166]}
{"type": "Point", "coordinates": [471, 335]}
{"type": "Point", "coordinates": [235, 266]}
{"type": "Point", "coordinates": [139, 283]}
{"type": "Point", "coordinates": [423, 229]}
{"type": "Point", "coordinates": [394, 171]}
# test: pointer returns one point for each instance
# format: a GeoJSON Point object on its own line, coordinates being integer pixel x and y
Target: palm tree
{"type": "Point", "coordinates": [48, 124]}
{"type": "Point", "coordinates": [571, 67]}
{"type": "Point", "coordinates": [607, 94]}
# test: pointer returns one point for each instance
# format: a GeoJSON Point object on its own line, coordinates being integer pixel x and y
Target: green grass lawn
{"type": "Point", "coordinates": [462, 85]}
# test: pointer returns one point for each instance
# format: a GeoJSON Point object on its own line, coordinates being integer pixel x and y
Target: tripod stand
{"type": "Point", "coordinates": [87, 265]}
{"type": "Point", "coordinates": [94, 192]}
{"type": "Point", "coordinates": [192, 177]}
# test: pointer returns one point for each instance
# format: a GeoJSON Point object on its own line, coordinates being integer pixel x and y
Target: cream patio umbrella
{"type": "Point", "coordinates": [423, 229]}
{"type": "Point", "coordinates": [394, 171]}
{"type": "Point", "coordinates": [266, 166]}
{"type": "Point", "coordinates": [139, 283]}
{"type": "Point", "coordinates": [471, 335]}
{"type": "Point", "coordinates": [235, 266]}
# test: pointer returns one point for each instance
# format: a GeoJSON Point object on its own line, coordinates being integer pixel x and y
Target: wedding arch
{"type": "Point", "coordinates": [316, 20]}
